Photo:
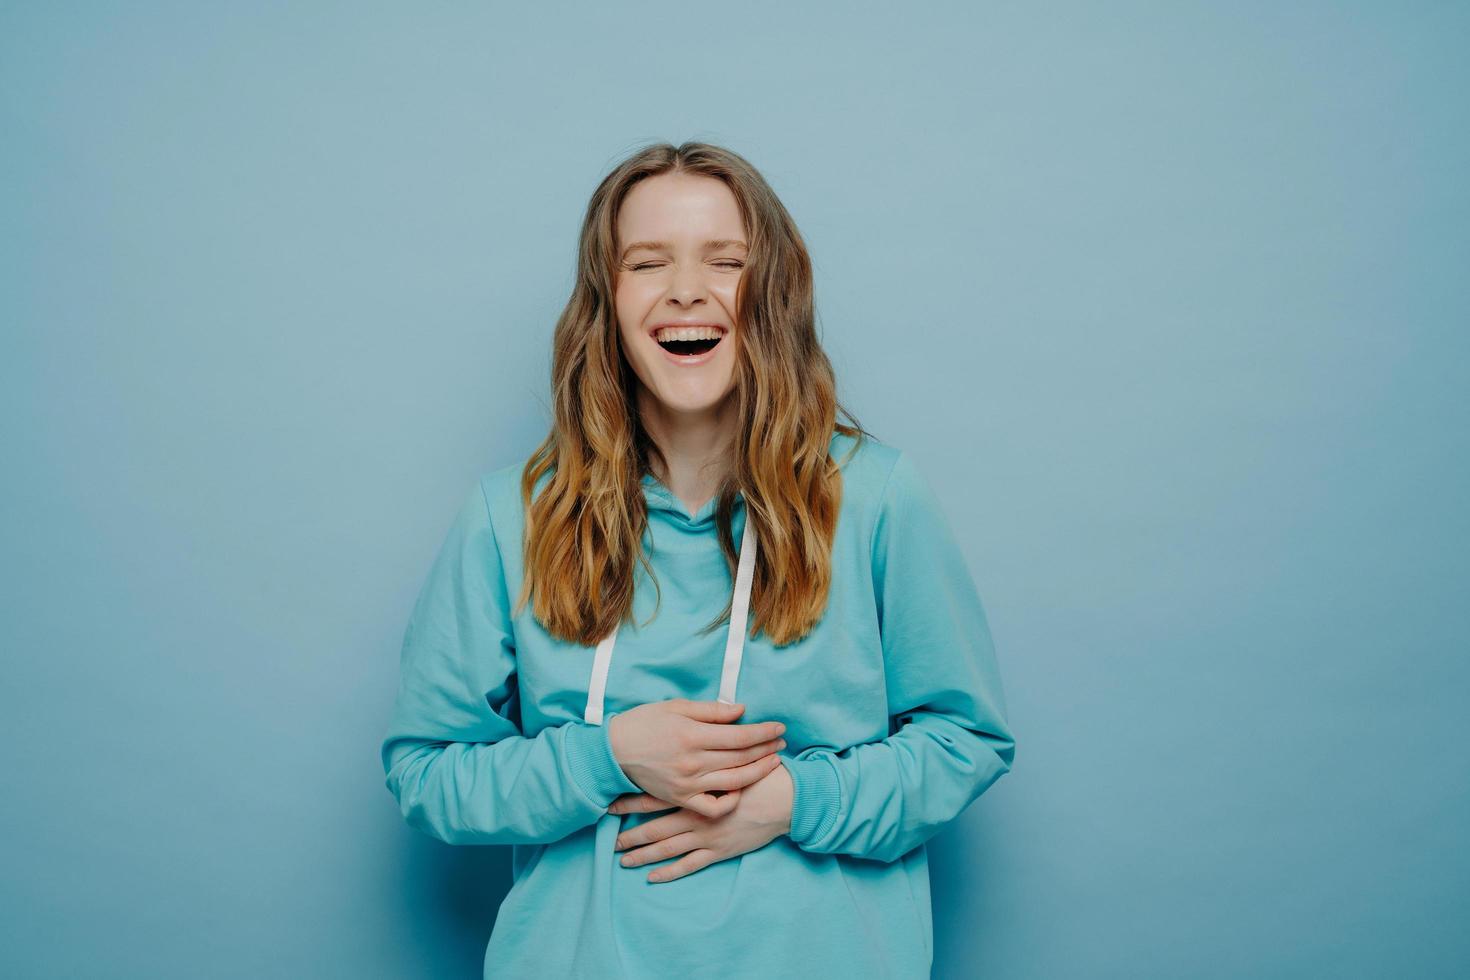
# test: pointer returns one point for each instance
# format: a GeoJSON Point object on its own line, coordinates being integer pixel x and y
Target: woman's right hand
{"type": "Point", "coordinates": [681, 750]}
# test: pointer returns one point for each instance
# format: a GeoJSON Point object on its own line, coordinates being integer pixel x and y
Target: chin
{"type": "Point", "coordinates": [696, 406]}
{"type": "Point", "coordinates": [693, 402]}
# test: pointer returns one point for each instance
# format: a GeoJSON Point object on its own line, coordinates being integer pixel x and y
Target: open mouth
{"type": "Point", "coordinates": [688, 347]}
{"type": "Point", "coordinates": [692, 348]}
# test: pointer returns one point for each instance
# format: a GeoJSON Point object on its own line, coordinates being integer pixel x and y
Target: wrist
{"type": "Point", "coordinates": [593, 764]}
{"type": "Point", "coordinates": [786, 799]}
{"type": "Point", "coordinates": [816, 797]}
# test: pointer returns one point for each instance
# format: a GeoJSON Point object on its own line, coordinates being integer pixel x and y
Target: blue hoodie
{"type": "Point", "coordinates": [895, 722]}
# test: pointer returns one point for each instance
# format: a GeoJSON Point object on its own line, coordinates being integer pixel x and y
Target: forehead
{"type": "Point", "coordinates": [679, 209]}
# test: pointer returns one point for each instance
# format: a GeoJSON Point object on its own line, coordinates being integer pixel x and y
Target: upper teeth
{"type": "Point", "coordinates": [687, 333]}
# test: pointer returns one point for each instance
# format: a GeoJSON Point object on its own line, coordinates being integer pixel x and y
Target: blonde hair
{"type": "Point", "coordinates": [585, 529]}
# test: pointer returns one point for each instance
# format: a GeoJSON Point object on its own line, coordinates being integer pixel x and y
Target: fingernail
{"type": "Point", "coordinates": [781, 744]}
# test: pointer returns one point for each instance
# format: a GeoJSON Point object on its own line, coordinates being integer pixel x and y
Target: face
{"type": "Point", "coordinates": [682, 251]}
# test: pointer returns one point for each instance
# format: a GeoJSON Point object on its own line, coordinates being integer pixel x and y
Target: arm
{"type": "Point", "coordinates": [881, 799]}
{"type": "Point", "coordinates": [454, 755]}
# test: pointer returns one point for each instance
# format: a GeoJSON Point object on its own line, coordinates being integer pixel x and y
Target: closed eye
{"type": "Point", "coordinates": [729, 264]}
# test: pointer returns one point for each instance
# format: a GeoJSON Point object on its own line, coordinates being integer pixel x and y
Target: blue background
{"type": "Point", "coordinates": [1169, 301]}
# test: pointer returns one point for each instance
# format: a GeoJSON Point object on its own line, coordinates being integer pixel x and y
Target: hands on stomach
{"type": "Point", "coordinates": [685, 751]}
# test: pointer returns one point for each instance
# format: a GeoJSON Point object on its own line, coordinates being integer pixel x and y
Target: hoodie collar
{"type": "Point", "coordinates": [661, 498]}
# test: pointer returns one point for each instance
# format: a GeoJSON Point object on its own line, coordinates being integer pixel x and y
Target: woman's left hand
{"type": "Point", "coordinates": [762, 814]}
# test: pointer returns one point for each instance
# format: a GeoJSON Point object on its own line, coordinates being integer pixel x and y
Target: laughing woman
{"type": "Point", "coordinates": [687, 800]}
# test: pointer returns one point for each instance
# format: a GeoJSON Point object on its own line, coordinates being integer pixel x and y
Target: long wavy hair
{"type": "Point", "coordinates": [584, 531]}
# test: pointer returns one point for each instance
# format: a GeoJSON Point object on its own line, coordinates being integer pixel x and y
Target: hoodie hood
{"type": "Point", "coordinates": [662, 501]}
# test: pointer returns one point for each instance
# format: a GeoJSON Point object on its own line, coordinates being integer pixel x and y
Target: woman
{"type": "Point", "coordinates": [750, 801]}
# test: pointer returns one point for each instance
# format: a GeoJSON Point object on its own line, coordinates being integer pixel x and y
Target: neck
{"type": "Point", "coordinates": [696, 447]}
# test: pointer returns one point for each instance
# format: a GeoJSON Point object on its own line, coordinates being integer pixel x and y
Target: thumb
{"type": "Point", "coordinates": [709, 805]}
{"type": "Point", "coordinates": [713, 711]}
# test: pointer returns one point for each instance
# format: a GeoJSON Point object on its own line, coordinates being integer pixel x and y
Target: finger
{"type": "Point", "coordinates": [740, 776]}
{"type": "Point", "coordinates": [716, 759]}
{"type": "Point", "coordinates": [626, 803]}
{"type": "Point", "coordinates": [737, 736]}
{"type": "Point", "coordinates": [714, 712]}
{"type": "Point", "coordinates": [709, 805]}
{"type": "Point", "coordinates": [678, 822]}
{"type": "Point", "coordinates": [688, 864]}
{"type": "Point", "coordinates": [661, 850]}
{"type": "Point", "coordinates": [639, 803]}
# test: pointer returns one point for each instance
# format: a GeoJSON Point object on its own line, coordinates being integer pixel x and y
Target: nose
{"type": "Point", "coordinates": [687, 287]}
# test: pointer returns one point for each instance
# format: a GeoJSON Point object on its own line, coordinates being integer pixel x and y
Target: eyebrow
{"type": "Point", "coordinates": [711, 245]}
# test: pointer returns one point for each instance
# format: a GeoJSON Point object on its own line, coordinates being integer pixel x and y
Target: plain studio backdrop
{"type": "Point", "coordinates": [1169, 301]}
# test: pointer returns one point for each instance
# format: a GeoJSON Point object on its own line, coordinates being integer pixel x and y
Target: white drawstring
{"type": "Point", "coordinates": [593, 714]}
{"type": "Point", "coordinates": [734, 639]}
{"type": "Point", "coordinates": [739, 613]}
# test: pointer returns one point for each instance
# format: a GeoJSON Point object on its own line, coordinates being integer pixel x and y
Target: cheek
{"type": "Point", "coordinates": [727, 292]}
{"type": "Point", "coordinates": [632, 300]}
{"type": "Point", "coordinates": [627, 312]}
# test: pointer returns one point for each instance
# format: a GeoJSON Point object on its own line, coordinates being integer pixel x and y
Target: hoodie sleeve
{"type": "Point", "coordinates": [949, 739]}
{"type": "Point", "coordinates": [454, 755]}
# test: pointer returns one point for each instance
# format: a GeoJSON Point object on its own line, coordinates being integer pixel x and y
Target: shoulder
{"type": "Point", "coordinates": [874, 470]}
{"type": "Point", "coordinates": [501, 488]}
{"type": "Point", "coordinates": [887, 493]}
{"type": "Point", "coordinates": [881, 487]}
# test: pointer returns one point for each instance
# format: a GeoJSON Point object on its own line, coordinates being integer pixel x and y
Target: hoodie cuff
{"type": "Point", "coordinates": [591, 761]}
{"type": "Point", "coordinates": [817, 799]}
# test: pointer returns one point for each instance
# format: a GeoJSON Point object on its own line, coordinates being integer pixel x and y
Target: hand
{"type": "Point", "coordinates": [681, 751]}
{"type": "Point", "coordinates": [760, 815]}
